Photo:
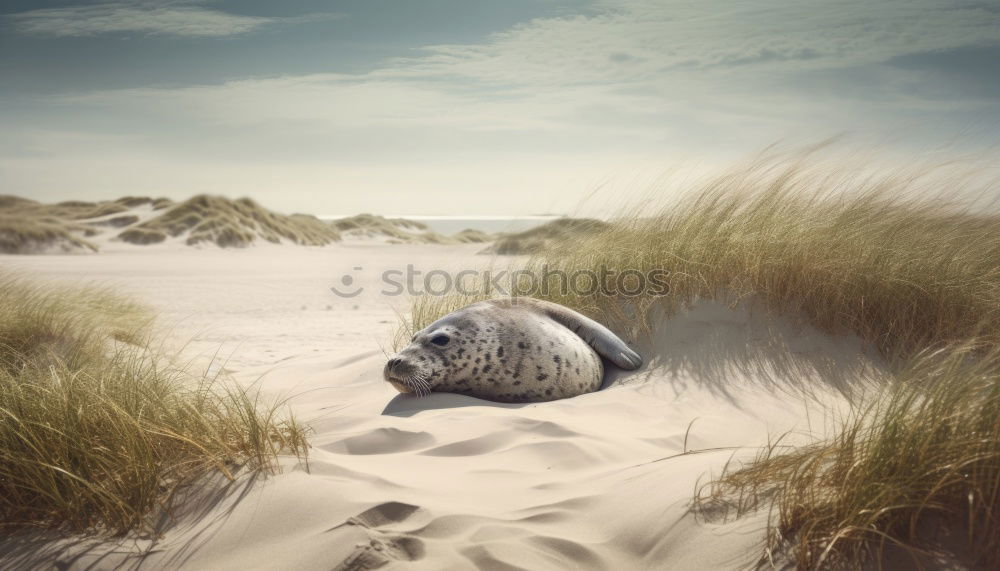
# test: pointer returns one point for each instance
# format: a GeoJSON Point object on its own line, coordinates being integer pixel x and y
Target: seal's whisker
{"type": "Point", "coordinates": [425, 387]}
{"type": "Point", "coordinates": [418, 381]}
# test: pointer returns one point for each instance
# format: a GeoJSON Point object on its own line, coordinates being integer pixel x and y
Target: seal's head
{"type": "Point", "coordinates": [416, 368]}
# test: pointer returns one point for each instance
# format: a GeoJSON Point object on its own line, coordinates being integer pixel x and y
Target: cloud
{"type": "Point", "coordinates": [642, 40]}
{"type": "Point", "coordinates": [629, 73]}
{"type": "Point", "coordinates": [178, 18]}
{"type": "Point", "coordinates": [518, 111]}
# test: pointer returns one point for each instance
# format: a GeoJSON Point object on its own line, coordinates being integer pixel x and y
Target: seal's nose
{"type": "Point", "coordinates": [392, 363]}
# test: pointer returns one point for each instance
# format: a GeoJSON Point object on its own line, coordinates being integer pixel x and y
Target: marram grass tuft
{"type": "Point", "coordinates": [97, 431]}
{"type": "Point", "coordinates": [914, 273]}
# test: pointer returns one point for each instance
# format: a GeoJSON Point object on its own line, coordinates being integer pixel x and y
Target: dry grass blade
{"type": "Point", "coordinates": [918, 470]}
{"type": "Point", "coordinates": [97, 429]}
{"type": "Point", "coordinates": [916, 277]}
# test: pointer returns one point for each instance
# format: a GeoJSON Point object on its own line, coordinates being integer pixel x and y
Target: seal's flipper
{"type": "Point", "coordinates": [606, 343]}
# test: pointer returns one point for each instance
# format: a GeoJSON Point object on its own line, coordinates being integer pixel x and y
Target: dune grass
{"type": "Point", "coordinates": [915, 275]}
{"type": "Point", "coordinates": [102, 209]}
{"type": "Point", "coordinates": [68, 210]}
{"type": "Point", "coordinates": [19, 235]}
{"type": "Point", "coordinates": [30, 227]}
{"type": "Point", "coordinates": [161, 203]}
{"type": "Point", "coordinates": [116, 221]}
{"type": "Point", "coordinates": [402, 231]}
{"type": "Point", "coordinates": [98, 429]}
{"type": "Point", "coordinates": [915, 472]}
{"type": "Point", "coordinates": [142, 236]}
{"type": "Point", "coordinates": [547, 236]}
{"type": "Point", "coordinates": [135, 201]}
{"type": "Point", "coordinates": [472, 236]}
{"type": "Point", "coordinates": [231, 223]}
{"type": "Point", "coordinates": [373, 222]}
{"type": "Point", "coordinates": [858, 255]}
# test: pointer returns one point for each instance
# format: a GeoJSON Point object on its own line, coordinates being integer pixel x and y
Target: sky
{"type": "Point", "coordinates": [466, 106]}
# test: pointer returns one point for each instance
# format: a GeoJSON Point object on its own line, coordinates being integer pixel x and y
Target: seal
{"type": "Point", "coordinates": [509, 350]}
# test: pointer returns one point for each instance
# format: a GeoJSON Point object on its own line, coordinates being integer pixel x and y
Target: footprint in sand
{"type": "Point", "coordinates": [382, 548]}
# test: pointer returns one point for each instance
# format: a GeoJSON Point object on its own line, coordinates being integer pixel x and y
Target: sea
{"type": "Point", "coordinates": [451, 224]}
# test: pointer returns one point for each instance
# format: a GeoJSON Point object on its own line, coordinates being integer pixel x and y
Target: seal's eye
{"type": "Point", "coordinates": [440, 340]}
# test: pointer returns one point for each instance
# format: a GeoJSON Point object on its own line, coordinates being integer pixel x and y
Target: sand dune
{"type": "Point", "coordinates": [559, 232]}
{"type": "Point", "coordinates": [601, 481]}
{"type": "Point", "coordinates": [71, 227]}
{"type": "Point", "coordinates": [229, 223]}
{"type": "Point", "coordinates": [30, 227]}
{"type": "Point", "coordinates": [368, 227]}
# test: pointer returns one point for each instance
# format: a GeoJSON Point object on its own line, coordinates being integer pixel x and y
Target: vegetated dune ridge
{"type": "Point", "coordinates": [29, 227]}
{"type": "Point", "coordinates": [758, 362]}
{"type": "Point", "coordinates": [229, 223]}
{"type": "Point", "coordinates": [546, 236]}
{"type": "Point", "coordinates": [911, 473]}
{"type": "Point", "coordinates": [401, 231]}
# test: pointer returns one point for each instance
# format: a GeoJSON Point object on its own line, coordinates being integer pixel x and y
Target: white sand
{"type": "Point", "coordinates": [599, 481]}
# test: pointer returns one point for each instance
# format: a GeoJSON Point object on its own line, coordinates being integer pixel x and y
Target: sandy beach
{"type": "Point", "coordinates": [600, 481]}
{"type": "Point", "coordinates": [611, 285]}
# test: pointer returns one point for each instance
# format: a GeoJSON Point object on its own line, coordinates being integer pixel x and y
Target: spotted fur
{"type": "Point", "coordinates": [515, 350]}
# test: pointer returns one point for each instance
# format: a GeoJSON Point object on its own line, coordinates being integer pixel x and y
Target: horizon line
{"type": "Point", "coordinates": [449, 216]}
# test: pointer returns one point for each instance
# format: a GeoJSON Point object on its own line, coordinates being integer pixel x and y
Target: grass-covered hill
{"type": "Point", "coordinates": [402, 231]}
{"type": "Point", "coordinates": [30, 227]}
{"type": "Point", "coordinates": [45, 234]}
{"type": "Point", "coordinates": [229, 223]}
{"type": "Point", "coordinates": [547, 237]}
{"type": "Point", "coordinates": [914, 470]}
